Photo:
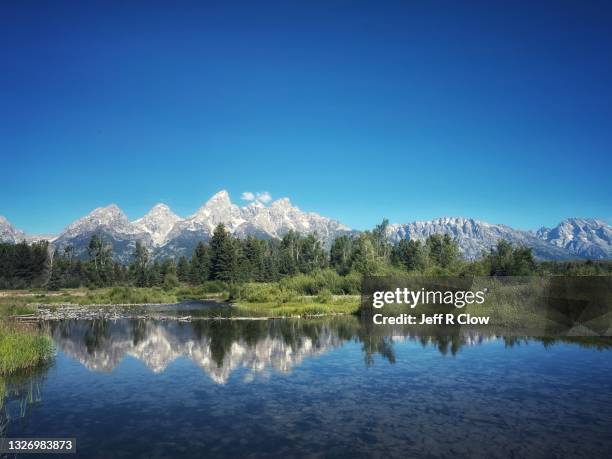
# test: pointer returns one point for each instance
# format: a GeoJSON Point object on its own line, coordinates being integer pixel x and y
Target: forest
{"type": "Point", "coordinates": [232, 260]}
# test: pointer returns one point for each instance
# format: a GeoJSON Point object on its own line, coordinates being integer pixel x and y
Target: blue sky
{"type": "Point", "coordinates": [355, 110]}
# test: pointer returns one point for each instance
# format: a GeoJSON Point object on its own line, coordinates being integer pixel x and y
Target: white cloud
{"type": "Point", "coordinates": [264, 197]}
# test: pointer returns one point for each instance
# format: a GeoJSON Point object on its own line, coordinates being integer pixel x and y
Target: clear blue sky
{"type": "Point", "coordinates": [355, 110]}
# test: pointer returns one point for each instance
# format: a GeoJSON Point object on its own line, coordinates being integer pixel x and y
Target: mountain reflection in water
{"type": "Point", "coordinates": [332, 387]}
{"type": "Point", "coordinates": [221, 347]}
{"type": "Point", "coordinates": [217, 347]}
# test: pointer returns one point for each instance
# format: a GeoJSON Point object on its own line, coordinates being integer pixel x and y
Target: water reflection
{"type": "Point", "coordinates": [352, 392]}
{"type": "Point", "coordinates": [218, 347]}
{"type": "Point", "coordinates": [221, 347]}
{"type": "Point", "coordinates": [18, 394]}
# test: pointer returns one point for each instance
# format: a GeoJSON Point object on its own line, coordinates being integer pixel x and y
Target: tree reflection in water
{"type": "Point", "coordinates": [18, 393]}
{"type": "Point", "coordinates": [220, 347]}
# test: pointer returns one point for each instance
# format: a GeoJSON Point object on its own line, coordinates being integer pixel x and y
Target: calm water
{"type": "Point", "coordinates": [328, 388]}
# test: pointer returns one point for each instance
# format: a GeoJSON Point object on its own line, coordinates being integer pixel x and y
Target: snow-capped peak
{"type": "Point", "coordinates": [158, 223]}
{"type": "Point", "coordinates": [109, 216]}
{"type": "Point", "coordinates": [8, 233]}
{"type": "Point", "coordinates": [221, 198]}
{"type": "Point", "coordinates": [218, 209]}
{"type": "Point", "coordinates": [588, 237]}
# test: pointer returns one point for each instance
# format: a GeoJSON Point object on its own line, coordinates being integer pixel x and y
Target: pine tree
{"type": "Point", "coordinates": [312, 255]}
{"type": "Point", "coordinates": [254, 252]}
{"type": "Point", "coordinates": [225, 256]}
{"type": "Point", "coordinates": [290, 253]}
{"type": "Point", "coordinates": [410, 255]}
{"type": "Point", "coordinates": [182, 269]}
{"type": "Point", "coordinates": [340, 254]}
{"type": "Point", "coordinates": [200, 264]}
{"type": "Point", "coordinates": [139, 266]}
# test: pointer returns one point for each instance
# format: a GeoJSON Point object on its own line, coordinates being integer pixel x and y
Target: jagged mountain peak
{"type": "Point", "coordinates": [110, 208]}
{"type": "Point", "coordinates": [218, 209]}
{"type": "Point", "coordinates": [219, 198]}
{"type": "Point", "coordinates": [109, 222]}
{"type": "Point", "coordinates": [159, 210]}
{"type": "Point", "coordinates": [107, 215]}
{"type": "Point", "coordinates": [587, 237]}
{"type": "Point", "coordinates": [165, 234]}
{"type": "Point", "coordinates": [8, 233]}
{"type": "Point", "coordinates": [160, 206]}
{"type": "Point", "coordinates": [474, 236]}
{"type": "Point", "coordinates": [585, 222]}
{"type": "Point", "coordinates": [158, 223]}
{"type": "Point", "coordinates": [216, 203]}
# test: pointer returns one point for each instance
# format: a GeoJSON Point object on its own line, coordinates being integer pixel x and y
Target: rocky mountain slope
{"type": "Point", "coordinates": [586, 237]}
{"type": "Point", "coordinates": [158, 223]}
{"type": "Point", "coordinates": [166, 234]}
{"type": "Point", "coordinates": [8, 233]}
{"type": "Point", "coordinates": [475, 237]}
{"type": "Point", "coordinates": [112, 225]}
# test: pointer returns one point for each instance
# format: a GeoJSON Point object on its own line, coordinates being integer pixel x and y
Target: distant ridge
{"type": "Point", "coordinates": [166, 234]}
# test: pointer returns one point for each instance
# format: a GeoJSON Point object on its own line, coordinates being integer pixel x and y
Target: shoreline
{"type": "Point", "coordinates": [68, 311]}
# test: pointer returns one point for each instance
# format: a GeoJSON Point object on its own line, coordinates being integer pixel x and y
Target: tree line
{"type": "Point", "coordinates": [232, 260]}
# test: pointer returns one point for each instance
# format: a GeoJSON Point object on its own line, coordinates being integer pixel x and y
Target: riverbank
{"type": "Point", "coordinates": [22, 347]}
{"type": "Point", "coordinates": [304, 307]}
{"type": "Point", "coordinates": [250, 299]}
{"type": "Point", "coordinates": [122, 295]}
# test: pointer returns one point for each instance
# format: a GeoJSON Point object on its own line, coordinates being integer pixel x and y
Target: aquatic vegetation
{"type": "Point", "coordinates": [22, 347]}
{"type": "Point", "coordinates": [18, 393]}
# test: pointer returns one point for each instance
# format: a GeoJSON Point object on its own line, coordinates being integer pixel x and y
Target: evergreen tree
{"type": "Point", "coordinates": [182, 269]}
{"type": "Point", "coordinates": [254, 252]}
{"type": "Point", "coordinates": [340, 254]}
{"type": "Point", "coordinates": [380, 241]}
{"type": "Point", "coordinates": [410, 255]}
{"type": "Point", "coordinates": [442, 251]}
{"type": "Point", "coordinates": [218, 247]}
{"type": "Point", "coordinates": [200, 264]}
{"type": "Point", "coordinates": [139, 267]}
{"type": "Point", "coordinates": [155, 274]}
{"type": "Point", "coordinates": [365, 259]}
{"type": "Point", "coordinates": [505, 260]}
{"type": "Point", "coordinates": [224, 256]}
{"type": "Point", "coordinates": [100, 262]}
{"type": "Point", "coordinates": [311, 253]}
{"type": "Point", "coordinates": [289, 253]}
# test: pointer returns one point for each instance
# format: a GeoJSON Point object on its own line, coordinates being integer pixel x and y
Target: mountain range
{"type": "Point", "coordinates": [166, 234]}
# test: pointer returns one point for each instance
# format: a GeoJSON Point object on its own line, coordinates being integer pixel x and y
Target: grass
{"type": "Point", "coordinates": [22, 348]}
{"type": "Point", "coordinates": [280, 299]}
{"type": "Point", "coordinates": [323, 292]}
{"type": "Point", "coordinates": [23, 301]}
{"type": "Point", "coordinates": [303, 307]}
